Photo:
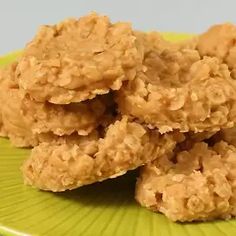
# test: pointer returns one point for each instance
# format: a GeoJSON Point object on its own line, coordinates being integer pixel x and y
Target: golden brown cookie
{"type": "Point", "coordinates": [125, 146]}
{"type": "Point", "coordinates": [191, 185]}
{"type": "Point", "coordinates": [76, 60]}
{"type": "Point", "coordinates": [180, 91]}
{"type": "Point", "coordinates": [81, 117]}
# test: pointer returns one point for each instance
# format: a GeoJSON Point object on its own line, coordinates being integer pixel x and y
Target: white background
{"type": "Point", "coordinates": [19, 19]}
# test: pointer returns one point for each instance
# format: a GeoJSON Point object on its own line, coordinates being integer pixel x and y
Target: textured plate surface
{"type": "Point", "coordinates": [106, 208]}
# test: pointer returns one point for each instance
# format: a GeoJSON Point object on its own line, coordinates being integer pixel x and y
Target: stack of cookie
{"type": "Point", "coordinates": [96, 99]}
{"type": "Point", "coordinates": [58, 99]}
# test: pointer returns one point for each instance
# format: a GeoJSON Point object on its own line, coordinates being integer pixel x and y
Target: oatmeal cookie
{"type": "Point", "coordinates": [180, 91]}
{"type": "Point", "coordinates": [124, 146]}
{"type": "Point", "coordinates": [78, 59]}
{"type": "Point", "coordinates": [81, 117]}
{"type": "Point", "coordinates": [191, 185]}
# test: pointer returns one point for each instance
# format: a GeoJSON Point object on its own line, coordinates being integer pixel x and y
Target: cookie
{"type": "Point", "coordinates": [78, 59]}
{"type": "Point", "coordinates": [26, 121]}
{"type": "Point", "coordinates": [196, 184]}
{"type": "Point", "coordinates": [123, 146]}
{"type": "Point", "coordinates": [180, 91]}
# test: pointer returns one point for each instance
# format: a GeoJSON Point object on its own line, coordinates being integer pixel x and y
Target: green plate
{"type": "Point", "coordinates": [106, 208]}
